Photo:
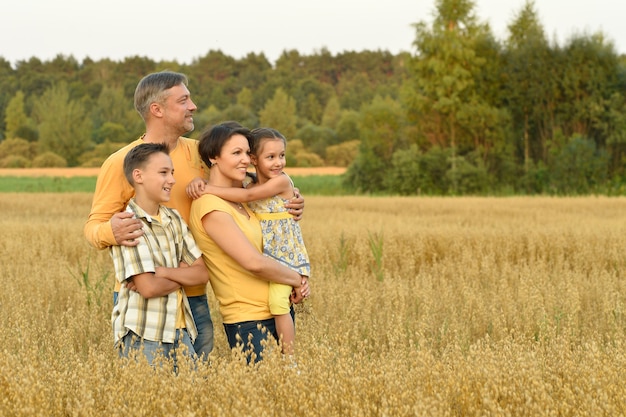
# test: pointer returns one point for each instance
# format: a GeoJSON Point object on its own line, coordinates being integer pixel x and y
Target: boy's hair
{"type": "Point", "coordinates": [153, 89]}
{"type": "Point", "coordinates": [139, 156]}
{"type": "Point", "coordinates": [261, 133]}
{"type": "Point", "coordinates": [213, 139]}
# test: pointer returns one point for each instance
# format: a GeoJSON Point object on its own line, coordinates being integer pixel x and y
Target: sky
{"type": "Point", "coordinates": [186, 30]}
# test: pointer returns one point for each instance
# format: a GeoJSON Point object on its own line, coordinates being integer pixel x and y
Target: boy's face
{"type": "Point", "coordinates": [156, 177]}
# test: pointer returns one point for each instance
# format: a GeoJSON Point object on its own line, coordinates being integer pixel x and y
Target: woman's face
{"type": "Point", "coordinates": [234, 158]}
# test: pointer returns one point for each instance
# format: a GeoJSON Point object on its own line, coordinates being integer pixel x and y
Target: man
{"type": "Point", "coordinates": [164, 102]}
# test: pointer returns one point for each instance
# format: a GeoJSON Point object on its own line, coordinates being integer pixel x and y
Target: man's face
{"type": "Point", "coordinates": [178, 109]}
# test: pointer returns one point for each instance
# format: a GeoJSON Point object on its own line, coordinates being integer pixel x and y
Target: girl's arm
{"type": "Point", "coordinates": [221, 227]}
{"type": "Point", "coordinates": [280, 185]}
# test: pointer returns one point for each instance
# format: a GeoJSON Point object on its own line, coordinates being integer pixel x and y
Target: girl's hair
{"type": "Point", "coordinates": [213, 139]}
{"type": "Point", "coordinates": [153, 89]}
{"type": "Point", "coordinates": [138, 157]}
{"type": "Point", "coordinates": [261, 133]}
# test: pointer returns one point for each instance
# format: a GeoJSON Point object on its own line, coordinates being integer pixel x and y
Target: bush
{"type": "Point", "coordinates": [96, 156]}
{"type": "Point", "coordinates": [470, 175]}
{"type": "Point", "coordinates": [366, 173]}
{"type": "Point", "coordinates": [14, 161]}
{"type": "Point", "coordinates": [49, 160]}
{"type": "Point", "coordinates": [404, 176]}
{"type": "Point", "coordinates": [579, 168]}
{"type": "Point", "coordinates": [343, 154]}
{"type": "Point", "coordinates": [308, 159]}
{"type": "Point", "coordinates": [434, 165]}
{"type": "Point", "coordinates": [15, 146]}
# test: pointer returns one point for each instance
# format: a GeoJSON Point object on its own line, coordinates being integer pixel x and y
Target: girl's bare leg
{"type": "Point", "coordinates": [286, 332]}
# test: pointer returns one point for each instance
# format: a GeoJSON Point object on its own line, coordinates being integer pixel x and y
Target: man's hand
{"type": "Point", "coordinates": [126, 229]}
{"type": "Point", "coordinates": [300, 293]}
{"type": "Point", "coordinates": [295, 206]}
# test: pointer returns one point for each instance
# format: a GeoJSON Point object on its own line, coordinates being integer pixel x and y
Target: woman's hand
{"type": "Point", "coordinates": [300, 293]}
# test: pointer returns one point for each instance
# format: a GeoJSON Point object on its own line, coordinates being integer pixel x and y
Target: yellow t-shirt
{"type": "Point", "coordinates": [241, 295]}
{"type": "Point", "coordinates": [113, 192]}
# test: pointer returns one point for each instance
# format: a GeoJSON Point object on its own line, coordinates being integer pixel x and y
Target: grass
{"type": "Point", "coordinates": [488, 306]}
{"type": "Point", "coordinates": [313, 184]}
{"type": "Point", "coordinates": [47, 184]}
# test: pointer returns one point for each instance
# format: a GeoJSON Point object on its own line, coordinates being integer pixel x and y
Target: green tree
{"type": "Point", "coordinates": [381, 133]}
{"type": "Point", "coordinates": [590, 75]}
{"type": "Point", "coordinates": [445, 71]}
{"type": "Point", "coordinates": [114, 108]}
{"type": "Point", "coordinates": [15, 117]}
{"type": "Point", "coordinates": [63, 126]}
{"type": "Point", "coordinates": [244, 98]}
{"type": "Point", "coordinates": [317, 138]}
{"type": "Point", "coordinates": [332, 113]}
{"type": "Point", "coordinates": [311, 97]}
{"type": "Point", "coordinates": [348, 125]}
{"type": "Point", "coordinates": [280, 113]}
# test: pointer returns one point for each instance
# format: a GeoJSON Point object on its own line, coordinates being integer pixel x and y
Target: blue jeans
{"type": "Point", "coordinates": [249, 335]}
{"type": "Point", "coordinates": [152, 350]}
{"type": "Point", "coordinates": [203, 345]}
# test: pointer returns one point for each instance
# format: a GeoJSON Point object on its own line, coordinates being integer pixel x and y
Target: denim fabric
{"type": "Point", "coordinates": [248, 335]}
{"type": "Point", "coordinates": [152, 350]}
{"type": "Point", "coordinates": [203, 345]}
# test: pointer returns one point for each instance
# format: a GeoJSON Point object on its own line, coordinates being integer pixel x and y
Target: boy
{"type": "Point", "coordinates": [152, 312]}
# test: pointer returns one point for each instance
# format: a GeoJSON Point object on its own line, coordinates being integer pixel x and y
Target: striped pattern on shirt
{"type": "Point", "coordinates": [165, 243]}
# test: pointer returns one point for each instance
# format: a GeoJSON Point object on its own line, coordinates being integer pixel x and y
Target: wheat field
{"type": "Point", "coordinates": [420, 307]}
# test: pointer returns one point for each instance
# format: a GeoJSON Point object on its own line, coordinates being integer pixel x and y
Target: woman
{"type": "Point", "coordinates": [231, 241]}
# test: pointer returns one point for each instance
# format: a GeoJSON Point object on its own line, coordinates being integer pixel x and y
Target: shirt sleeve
{"type": "Point", "coordinates": [111, 196]}
{"type": "Point", "coordinates": [132, 260]}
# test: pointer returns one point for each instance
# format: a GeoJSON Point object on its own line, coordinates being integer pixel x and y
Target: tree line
{"type": "Point", "coordinates": [463, 113]}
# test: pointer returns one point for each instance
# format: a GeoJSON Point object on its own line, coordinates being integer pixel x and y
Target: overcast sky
{"type": "Point", "coordinates": [185, 30]}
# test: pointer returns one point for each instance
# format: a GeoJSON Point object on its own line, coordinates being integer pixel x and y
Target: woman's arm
{"type": "Point", "coordinates": [228, 236]}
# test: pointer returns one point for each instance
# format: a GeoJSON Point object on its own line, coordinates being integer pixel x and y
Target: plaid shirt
{"type": "Point", "coordinates": [165, 243]}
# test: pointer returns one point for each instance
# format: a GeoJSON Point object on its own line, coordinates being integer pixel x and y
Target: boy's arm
{"type": "Point", "coordinates": [149, 285]}
{"type": "Point", "coordinates": [194, 274]}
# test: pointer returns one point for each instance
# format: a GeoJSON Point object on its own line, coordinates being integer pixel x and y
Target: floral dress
{"type": "Point", "coordinates": [282, 236]}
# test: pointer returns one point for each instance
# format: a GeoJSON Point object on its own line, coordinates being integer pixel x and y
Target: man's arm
{"type": "Point", "coordinates": [106, 225]}
{"type": "Point", "coordinates": [295, 206]}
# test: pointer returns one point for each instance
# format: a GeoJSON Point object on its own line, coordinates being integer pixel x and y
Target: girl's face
{"type": "Point", "coordinates": [270, 160]}
{"type": "Point", "coordinates": [234, 158]}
